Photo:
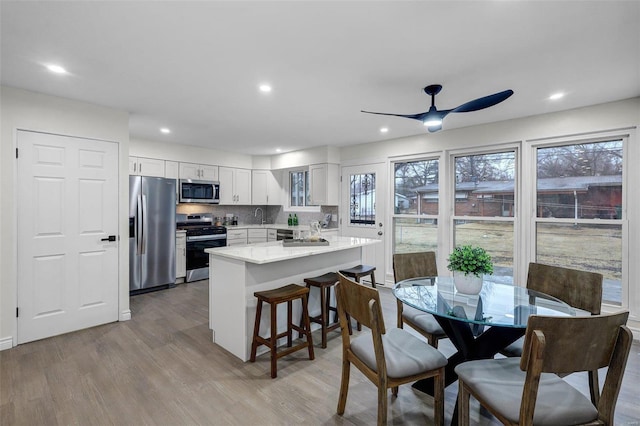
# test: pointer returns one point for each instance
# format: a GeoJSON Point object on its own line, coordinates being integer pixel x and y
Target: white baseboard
{"type": "Point", "coordinates": [6, 343]}
{"type": "Point", "coordinates": [125, 315]}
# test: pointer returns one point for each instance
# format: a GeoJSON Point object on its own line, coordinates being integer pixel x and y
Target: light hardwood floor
{"type": "Point", "coordinates": [162, 368]}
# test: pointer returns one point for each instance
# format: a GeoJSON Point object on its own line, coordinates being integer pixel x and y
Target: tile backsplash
{"type": "Point", "coordinates": [247, 214]}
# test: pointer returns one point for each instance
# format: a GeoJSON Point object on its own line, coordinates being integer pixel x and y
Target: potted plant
{"type": "Point", "coordinates": [469, 264]}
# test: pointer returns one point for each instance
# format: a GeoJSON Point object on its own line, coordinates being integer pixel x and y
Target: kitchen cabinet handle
{"type": "Point", "coordinates": [135, 167]}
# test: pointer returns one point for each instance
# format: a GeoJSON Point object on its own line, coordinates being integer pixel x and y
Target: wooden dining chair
{"type": "Point", "coordinates": [579, 289]}
{"type": "Point", "coordinates": [528, 390]}
{"type": "Point", "coordinates": [387, 357]}
{"type": "Point", "coordinates": [414, 265]}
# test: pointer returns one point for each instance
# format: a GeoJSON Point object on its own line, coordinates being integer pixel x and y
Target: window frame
{"type": "Point", "coordinates": [516, 220]}
{"type": "Point", "coordinates": [297, 209]}
{"type": "Point", "coordinates": [533, 219]}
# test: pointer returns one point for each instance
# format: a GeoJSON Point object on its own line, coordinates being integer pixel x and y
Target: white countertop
{"type": "Point", "coordinates": [276, 226]}
{"type": "Point", "coordinates": [274, 251]}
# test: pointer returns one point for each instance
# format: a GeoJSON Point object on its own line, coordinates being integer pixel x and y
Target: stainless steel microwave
{"type": "Point", "coordinates": [199, 191]}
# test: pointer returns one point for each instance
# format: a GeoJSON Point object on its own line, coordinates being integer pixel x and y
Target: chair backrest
{"type": "Point", "coordinates": [413, 265]}
{"type": "Point", "coordinates": [580, 289]}
{"type": "Point", "coordinates": [353, 300]}
{"type": "Point", "coordinates": [573, 344]}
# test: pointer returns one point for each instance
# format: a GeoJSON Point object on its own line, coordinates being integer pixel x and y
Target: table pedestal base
{"type": "Point", "coordinates": [470, 348]}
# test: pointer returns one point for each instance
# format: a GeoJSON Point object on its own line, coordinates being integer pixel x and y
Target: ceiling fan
{"type": "Point", "coordinates": [432, 119]}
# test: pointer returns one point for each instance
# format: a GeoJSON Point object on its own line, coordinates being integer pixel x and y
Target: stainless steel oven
{"type": "Point", "coordinates": [201, 235]}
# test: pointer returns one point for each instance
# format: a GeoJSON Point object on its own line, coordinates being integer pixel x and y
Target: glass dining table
{"type": "Point", "coordinates": [479, 326]}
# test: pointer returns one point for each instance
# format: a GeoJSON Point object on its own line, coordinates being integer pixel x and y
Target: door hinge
{"type": "Point", "coordinates": [16, 152]}
{"type": "Point", "coordinates": [17, 312]}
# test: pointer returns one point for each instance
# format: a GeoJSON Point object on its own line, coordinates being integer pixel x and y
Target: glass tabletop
{"type": "Point", "coordinates": [497, 304]}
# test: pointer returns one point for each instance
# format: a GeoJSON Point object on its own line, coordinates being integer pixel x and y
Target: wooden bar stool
{"type": "Point", "coordinates": [324, 283]}
{"type": "Point", "coordinates": [288, 294]}
{"type": "Point", "coordinates": [358, 272]}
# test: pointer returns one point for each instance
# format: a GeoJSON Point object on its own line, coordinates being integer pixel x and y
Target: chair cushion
{"type": "Point", "coordinates": [404, 353]}
{"type": "Point", "coordinates": [514, 349]}
{"type": "Point", "coordinates": [422, 319]}
{"type": "Point", "coordinates": [500, 382]}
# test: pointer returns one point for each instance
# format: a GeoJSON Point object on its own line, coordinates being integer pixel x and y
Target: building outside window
{"type": "Point", "coordinates": [484, 206]}
{"type": "Point", "coordinates": [579, 196]}
{"type": "Point", "coordinates": [416, 206]}
{"type": "Point", "coordinates": [298, 188]}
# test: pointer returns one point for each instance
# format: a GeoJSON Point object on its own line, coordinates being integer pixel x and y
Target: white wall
{"type": "Point", "coordinates": [22, 109]}
{"type": "Point", "coordinates": [322, 154]}
{"type": "Point", "coordinates": [188, 154]}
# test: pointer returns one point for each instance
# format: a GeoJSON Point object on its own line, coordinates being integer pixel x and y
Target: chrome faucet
{"type": "Point", "coordinates": [255, 214]}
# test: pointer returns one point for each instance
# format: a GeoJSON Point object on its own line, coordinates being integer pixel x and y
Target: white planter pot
{"type": "Point", "coordinates": [467, 284]}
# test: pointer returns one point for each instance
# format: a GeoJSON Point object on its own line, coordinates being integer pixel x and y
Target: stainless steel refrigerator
{"type": "Point", "coordinates": [152, 233]}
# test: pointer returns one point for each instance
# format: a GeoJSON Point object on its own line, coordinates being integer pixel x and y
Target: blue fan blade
{"type": "Point", "coordinates": [413, 116]}
{"type": "Point", "coordinates": [485, 102]}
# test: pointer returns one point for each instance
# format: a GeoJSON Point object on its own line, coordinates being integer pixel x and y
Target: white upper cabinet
{"type": "Point", "coordinates": [171, 169]}
{"type": "Point", "coordinates": [324, 184]}
{"type": "Point", "coordinates": [198, 172]}
{"type": "Point", "coordinates": [265, 188]}
{"type": "Point", "coordinates": [235, 185]}
{"type": "Point", "coordinates": [140, 166]}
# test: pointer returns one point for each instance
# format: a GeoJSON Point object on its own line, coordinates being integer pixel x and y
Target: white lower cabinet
{"type": "Point", "coordinates": [272, 234]}
{"type": "Point", "coordinates": [236, 237]}
{"type": "Point", "coordinates": [181, 255]}
{"type": "Point", "coordinates": [257, 236]}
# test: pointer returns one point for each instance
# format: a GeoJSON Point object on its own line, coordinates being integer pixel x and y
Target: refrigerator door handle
{"type": "Point", "coordinates": [145, 224]}
{"type": "Point", "coordinates": [139, 225]}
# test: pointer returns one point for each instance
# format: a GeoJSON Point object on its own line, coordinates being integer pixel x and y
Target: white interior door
{"type": "Point", "coordinates": [67, 209]}
{"type": "Point", "coordinates": [363, 210]}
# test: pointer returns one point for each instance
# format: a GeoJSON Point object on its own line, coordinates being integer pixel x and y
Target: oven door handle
{"type": "Point", "coordinates": [207, 237]}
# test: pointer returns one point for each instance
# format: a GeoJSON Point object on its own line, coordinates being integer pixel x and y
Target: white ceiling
{"type": "Point", "coordinates": [195, 67]}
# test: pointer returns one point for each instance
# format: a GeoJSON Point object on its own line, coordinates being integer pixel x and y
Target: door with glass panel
{"type": "Point", "coordinates": [363, 211]}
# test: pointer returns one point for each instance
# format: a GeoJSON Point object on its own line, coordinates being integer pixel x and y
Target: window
{"type": "Point", "coordinates": [484, 206]}
{"type": "Point", "coordinates": [416, 205]}
{"type": "Point", "coordinates": [362, 199]}
{"type": "Point", "coordinates": [579, 210]}
{"type": "Point", "coordinates": [299, 188]}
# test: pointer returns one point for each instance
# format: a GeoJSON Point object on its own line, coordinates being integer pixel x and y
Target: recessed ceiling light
{"type": "Point", "coordinates": [278, 150]}
{"type": "Point", "coordinates": [384, 129]}
{"type": "Point", "coordinates": [165, 130]}
{"type": "Point", "coordinates": [56, 69]}
{"type": "Point", "coordinates": [265, 88]}
{"type": "Point", "coordinates": [556, 96]}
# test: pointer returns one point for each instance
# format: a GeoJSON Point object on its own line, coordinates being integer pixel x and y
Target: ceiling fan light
{"type": "Point", "coordinates": [432, 122]}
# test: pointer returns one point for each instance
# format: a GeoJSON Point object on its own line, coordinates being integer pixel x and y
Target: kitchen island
{"type": "Point", "coordinates": [236, 272]}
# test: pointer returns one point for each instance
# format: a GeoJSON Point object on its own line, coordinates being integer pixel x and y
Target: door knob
{"type": "Point", "coordinates": [110, 238]}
